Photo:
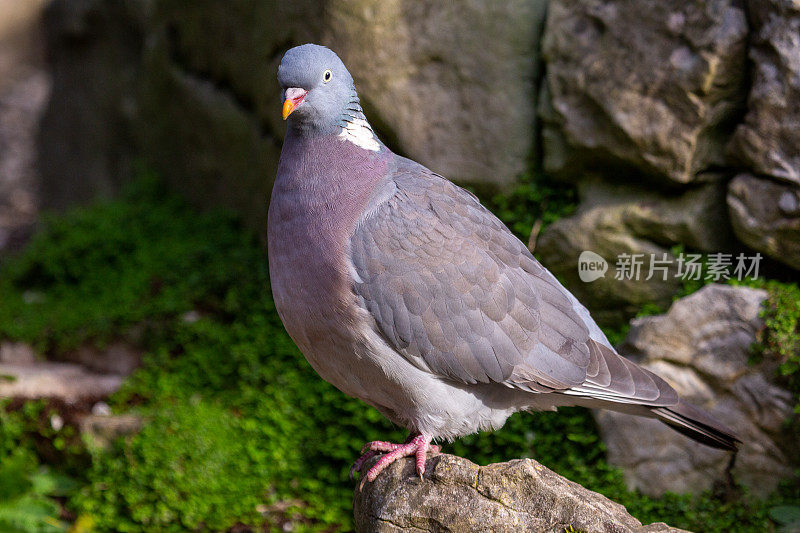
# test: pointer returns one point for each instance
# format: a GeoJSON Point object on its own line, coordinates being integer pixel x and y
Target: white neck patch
{"type": "Point", "coordinates": [359, 132]}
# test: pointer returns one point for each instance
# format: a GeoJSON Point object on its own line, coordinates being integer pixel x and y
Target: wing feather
{"type": "Point", "coordinates": [454, 292]}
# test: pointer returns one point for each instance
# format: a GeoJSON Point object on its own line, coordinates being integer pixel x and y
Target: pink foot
{"type": "Point", "coordinates": [417, 446]}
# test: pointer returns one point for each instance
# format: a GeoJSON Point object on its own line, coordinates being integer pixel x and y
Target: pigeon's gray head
{"type": "Point", "coordinates": [317, 88]}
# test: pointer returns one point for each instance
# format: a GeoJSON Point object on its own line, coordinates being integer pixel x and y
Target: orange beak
{"type": "Point", "coordinates": [294, 96]}
{"type": "Point", "coordinates": [288, 107]}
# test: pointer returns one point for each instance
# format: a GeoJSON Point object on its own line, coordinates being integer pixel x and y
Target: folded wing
{"type": "Point", "coordinates": [457, 294]}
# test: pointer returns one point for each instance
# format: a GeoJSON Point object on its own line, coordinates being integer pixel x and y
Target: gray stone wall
{"type": "Point", "coordinates": [651, 108]}
{"type": "Point", "coordinates": [190, 87]}
{"type": "Point", "coordinates": [24, 90]}
{"type": "Point", "coordinates": [664, 104]}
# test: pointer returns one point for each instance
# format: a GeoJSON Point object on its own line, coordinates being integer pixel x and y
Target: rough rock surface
{"type": "Point", "coordinates": [465, 74]}
{"type": "Point", "coordinates": [208, 116]}
{"type": "Point", "coordinates": [63, 381]}
{"type": "Point", "coordinates": [613, 220]}
{"type": "Point", "coordinates": [645, 93]}
{"type": "Point", "coordinates": [459, 496]}
{"type": "Point", "coordinates": [85, 141]}
{"type": "Point", "coordinates": [23, 375]}
{"type": "Point", "coordinates": [117, 357]}
{"type": "Point", "coordinates": [769, 138]}
{"type": "Point", "coordinates": [102, 430]}
{"type": "Point", "coordinates": [649, 85]}
{"type": "Point", "coordinates": [766, 216]}
{"type": "Point", "coordinates": [701, 347]}
{"type": "Point", "coordinates": [24, 89]}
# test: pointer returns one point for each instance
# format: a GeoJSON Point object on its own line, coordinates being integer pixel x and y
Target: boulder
{"type": "Point", "coordinates": [768, 139]}
{"type": "Point", "coordinates": [648, 86]}
{"type": "Point", "coordinates": [91, 375]}
{"type": "Point", "coordinates": [191, 86]}
{"type": "Point", "coordinates": [16, 353]}
{"type": "Point", "coordinates": [447, 64]}
{"type": "Point", "coordinates": [701, 347]}
{"type": "Point", "coordinates": [207, 115]}
{"type": "Point", "coordinates": [21, 43]}
{"type": "Point", "coordinates": [614, 220]}
{"type": "Point", "coordinates": [465, 75]}
{"type": "Point", "coordinates": [67, 382]}
{"type": "Point", "coordinates": [100, 431]}
{"type": "Point", "coordinates": [766, 216]}
{"type": "Point", "coordinates": [24, 89]}
{"type": "Point", "coordinates": [85, 138]}
{"type": "Point", "coordinates": [210, 148]}
{"type": "Point", "coordinates": [459, 496]}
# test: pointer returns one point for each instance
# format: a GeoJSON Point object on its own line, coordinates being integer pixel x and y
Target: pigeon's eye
{"type": "Point", "coordinates": [327, 76]}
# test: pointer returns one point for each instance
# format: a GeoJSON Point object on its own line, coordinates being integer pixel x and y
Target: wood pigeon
{"type": "Point", "coordinates": [402, 290]}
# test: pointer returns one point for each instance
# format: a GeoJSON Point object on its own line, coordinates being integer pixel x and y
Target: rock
{"type": "Point", "coordinates": [21, 45]}
{"type": "Point", "coordinates": [82, 376]}
{"type": "Point", "coordinates": [766, 216]}
{"type": "Point", "coordinates": [644, 85]}
{"type": "Point", "coordinates": [466, 74]}
{"type": "Point", "coordinates": [443, 62]}
{"type": "Point", "coordinates": [613, 220]}
{"type": "Point", "coordinates": [229, 155]}
{"type": "Point", "coordinates": [701, 347]}
{"type": "Point", "coordinates": [24, 89]}
{"type": "Point", "coordinates": [208, 116]}
{"type": "Point", "coordinates": [67, 382]}
{"type": "Point", "coordinates": [460, 496]}
{"type": "Point", "coordinates": [695, 217]}
{"type": "Point", "coordinates": [117, 357]}
{"type": "Point", "coordinates": [101, 409]}
{"type": "Point", "coordinates": [102, 430]}
{"type": "Point", "coordinates": [615, 297]}
{"type": "Point", "coordinates": [85, 139]}
{"type": "Point", "coordinates": [767, 140]}
{"type": "Point", "coordinates": [16, 353]}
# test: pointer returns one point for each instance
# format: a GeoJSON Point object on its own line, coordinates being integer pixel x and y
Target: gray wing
{"type": "Point", "coordinates": [458, 295]}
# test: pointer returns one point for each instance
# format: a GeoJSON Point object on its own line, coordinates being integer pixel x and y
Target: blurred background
{"type": "Point", "coordinates": [146, 383]}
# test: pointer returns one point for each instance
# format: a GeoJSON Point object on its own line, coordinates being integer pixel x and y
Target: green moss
{"type": "Point", "coordinates": [779, 339]}
{"type": "Point", "coordinates": [240, 429]}
{"type": "Point", "coordinates": [535, 201]}
{"type": "Point", "coordinates": [190, 468]}
{"type": "Point", "coordinates": [97, 271]}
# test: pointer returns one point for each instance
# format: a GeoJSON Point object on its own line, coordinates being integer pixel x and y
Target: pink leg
{"type": "Point", "coordinates": [369, 450]}
{"type": "Point", "coordinates": [380, 446]}
{"type": "Point", "coordinates": [417, 445]}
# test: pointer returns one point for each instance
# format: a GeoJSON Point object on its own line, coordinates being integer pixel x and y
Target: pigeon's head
{"type": "Point", "coordinates": [316, 87]}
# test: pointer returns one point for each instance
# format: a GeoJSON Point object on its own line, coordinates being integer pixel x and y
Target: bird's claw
{"type": "Point", "coordinates": [418, 446]}
{"type": "Point", "coordinates": [360, 462]}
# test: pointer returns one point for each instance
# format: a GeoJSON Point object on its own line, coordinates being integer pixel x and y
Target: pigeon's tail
{"type": "Point", "coordinates": [698, 425]}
